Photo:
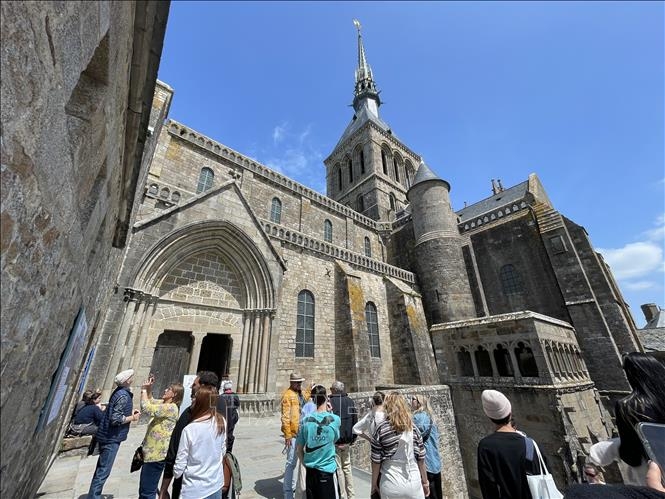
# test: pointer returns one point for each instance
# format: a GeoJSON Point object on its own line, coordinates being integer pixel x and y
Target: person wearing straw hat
{"type": "Point", "coordinates": [292, 403]}
{"type": "Point", "coordinates": [113, 430]}
{"type": "Point", "coordinates": [502, 456]}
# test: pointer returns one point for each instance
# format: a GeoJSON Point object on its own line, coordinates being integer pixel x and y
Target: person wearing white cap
{"type": "Point", "coordinates": [113, 430]}
{"type": "Point", "coordinates": [503, 462]}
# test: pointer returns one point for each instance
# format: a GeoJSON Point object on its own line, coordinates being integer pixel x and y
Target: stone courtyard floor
{"type": "Point", "coordinates": [258, 447]}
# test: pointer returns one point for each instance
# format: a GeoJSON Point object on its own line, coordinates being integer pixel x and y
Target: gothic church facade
{"type": "Point", "coordinates": [236, 268]}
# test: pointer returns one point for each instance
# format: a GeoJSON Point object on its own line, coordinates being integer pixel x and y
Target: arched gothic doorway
{"type": "Point", "coordinates": [209, 283]}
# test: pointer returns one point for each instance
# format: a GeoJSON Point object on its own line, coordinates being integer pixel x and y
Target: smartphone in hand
{"type": "Point", "coordinates": [652, 436]}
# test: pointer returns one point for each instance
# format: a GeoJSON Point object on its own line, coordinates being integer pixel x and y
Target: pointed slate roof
{"type": "Point", "coordinates": [423, 174]}
{"type": "Point", "coordinates": [507, 196]}
{"type": "Point", "coordinates": [366, 100]}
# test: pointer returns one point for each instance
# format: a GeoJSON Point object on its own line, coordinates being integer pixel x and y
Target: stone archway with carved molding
{"type": "Point", "coordinates": [251, 304]}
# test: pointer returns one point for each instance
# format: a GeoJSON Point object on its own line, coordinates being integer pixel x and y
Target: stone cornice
{"type": "Point", "coordinates": [316, 245]}
{"type": "Point", "coordinates": [496, 319]}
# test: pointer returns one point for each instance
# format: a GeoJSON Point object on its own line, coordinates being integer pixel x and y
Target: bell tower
{"type": "Point", "coordinates": [370, 169]}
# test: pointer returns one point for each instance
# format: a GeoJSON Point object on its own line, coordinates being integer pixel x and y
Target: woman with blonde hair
{"type": "Point", "coordinates": [398, 454]}
{"type": "Point", "coordinates": [158, 434]}
{"type": "Point", "coordinates": [423, 418]}
{"type": "Point", "coordinates": [202, 447]}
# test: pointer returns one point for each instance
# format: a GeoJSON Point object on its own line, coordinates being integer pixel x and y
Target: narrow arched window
{"type": "Point", "coordinates": [327, 231]}
{"type": "Point", "coordinates": [339, 179]}
{"type": "Point", "coordinates": [372, 329]}
{"type": "Point", "coordinates": [362, 162]}
{"type": "Point", "coordinates": [350, 170]}
{"type": "Point", "coordinates": [360, 201]}
{"type": "Point", "coordinates": [392, 201]}
{"type": "Point", "coordinates": [464, 363]}
{"type": "Point", "coordinates": [276, 211]}
{"type": "Point", "coordinates": [205, 180]}
{"type": "Point", "coordinates": [483, 362]}
{"type": "Point", "coordinates": [384, 162]}
{"type": "Point", "coordinates": [153, 190]}
{"type": "Point", "coordinates": [305, 325]}
{"type": "Point", "coordinates": [526, 361]}
{"type": "Point", "coordinates": [368, 247]}
{"type": "Point", "coordinates": [510, 280]}
{"type": "Point", "coordinates": [396, 165]}
{"type": "Point", "coordinates": [503, 362]}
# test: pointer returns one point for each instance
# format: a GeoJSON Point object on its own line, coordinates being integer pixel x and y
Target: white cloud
{"type": "Point", "coordinates": [279, 132]}
{"type": "Point", "coordinates": [658, 232]}
{"type": "Point", "coordinates": [639, 285]}
{"type": "Point", "coordinates": [295, 156]}
{"type": "Point", "coordinates": [634, 259]}
{"type": "Point", "coordinates": [304, 134]}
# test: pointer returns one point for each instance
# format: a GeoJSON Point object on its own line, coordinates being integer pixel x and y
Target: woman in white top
{"type": "Point", "coordinates": [202, 448]}
{"type": "Point", "coordinates": [366, 427]}
{"type": "Point", "coordinates": [398, 454]}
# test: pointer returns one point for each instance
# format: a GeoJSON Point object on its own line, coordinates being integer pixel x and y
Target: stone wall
{"type": "Point", "coordinates": [74, 123]}
{"type": "Point", "coordinates": [177, 167]}
{"type": "Point", "coordinates": [563, 422]}
{"type": "Point", "coordinates": [517, 242]}
{"type": "Point", "coordinates": [454, 484]}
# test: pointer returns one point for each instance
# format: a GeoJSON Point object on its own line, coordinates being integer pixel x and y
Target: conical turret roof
{"type": "Point", "coordinates": [423, 174]}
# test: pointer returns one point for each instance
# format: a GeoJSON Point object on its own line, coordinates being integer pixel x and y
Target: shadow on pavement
{"type": "Point", "coordinates": [270, 488]}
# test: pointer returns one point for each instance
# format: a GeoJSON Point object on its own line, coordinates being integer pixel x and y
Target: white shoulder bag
{"type": "Point", "coordinates": [542, 486]}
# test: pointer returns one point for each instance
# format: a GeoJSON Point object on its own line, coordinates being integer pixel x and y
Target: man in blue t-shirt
{"type": "Point", "coordinates": [316, 446]}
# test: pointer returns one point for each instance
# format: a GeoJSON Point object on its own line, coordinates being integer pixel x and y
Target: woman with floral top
{"type": "Point", "coordinates": [156, 441]}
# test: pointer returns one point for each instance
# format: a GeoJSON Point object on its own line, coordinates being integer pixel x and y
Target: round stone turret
{"type": "Point", "coordinates": [440, 261]}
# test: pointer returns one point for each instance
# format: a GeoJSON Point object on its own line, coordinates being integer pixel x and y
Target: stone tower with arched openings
{"type": "Point", "coordinates": [370, 169]}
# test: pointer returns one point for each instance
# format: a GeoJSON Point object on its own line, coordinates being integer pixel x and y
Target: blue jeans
{"type": "Point", "coordinates": [291, 467]}
{"type": "Point", "coordinates": [107, 453]}
{"type": "Point", "coordinates": [149, 482]}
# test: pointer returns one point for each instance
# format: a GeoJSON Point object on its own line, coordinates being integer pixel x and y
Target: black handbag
{"type": "Point", "coordinates": [137, 460]}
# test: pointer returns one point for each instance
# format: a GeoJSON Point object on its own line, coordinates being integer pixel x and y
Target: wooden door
{"type": "Point", "coordinates": [170, 362]}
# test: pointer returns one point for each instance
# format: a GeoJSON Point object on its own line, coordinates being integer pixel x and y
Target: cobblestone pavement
{"type": "Point", "coordinates": [258, 447]}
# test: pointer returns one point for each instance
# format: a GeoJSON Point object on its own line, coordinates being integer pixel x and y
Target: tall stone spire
{"type": "Point", "coordinates": [366, 94]}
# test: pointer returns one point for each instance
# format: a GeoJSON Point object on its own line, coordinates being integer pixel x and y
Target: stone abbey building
{"type": "Point", "coordinates": [232, 267]}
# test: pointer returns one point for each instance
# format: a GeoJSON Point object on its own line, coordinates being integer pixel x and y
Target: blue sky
{"type": "Point", "coordinates": [571, 91]}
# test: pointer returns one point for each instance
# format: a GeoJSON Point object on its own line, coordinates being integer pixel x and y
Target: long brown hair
{"type": "Point", "coordinates": [205, 403]}
{"type": "Point", "coordinates": [397, 412]}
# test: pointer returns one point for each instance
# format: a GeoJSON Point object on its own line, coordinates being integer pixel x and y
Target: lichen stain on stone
{"type": "Point", "coordinates": [356, 301]}
{"type": "Point", "coordinates": [414, 318]}
{"type": "Point", "coordinates": [173, 151]}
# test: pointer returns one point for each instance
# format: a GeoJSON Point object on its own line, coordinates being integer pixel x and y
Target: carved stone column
{"type": "Point", "coordinates": [476, 374]}
{"type": "Point", "coordinates": [265, 354]}
{"type": "Point", "coordinates": [196, 351]}
{"type": "Point", "coordinates": [142, 336]}
{"type": "Point", "coordinates": [246, 325]}
{"type": "Point", "coordinates": [131, 299]}
{"type": "Point", "coordinates": [516, 367]}
{"type": "Point", "coordinates": [495, 369]}
{"type": "Point", "coordinates": [253, 355]}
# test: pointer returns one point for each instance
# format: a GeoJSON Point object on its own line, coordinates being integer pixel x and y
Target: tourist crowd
{"type": "Point", "coordinates": [191, 450]}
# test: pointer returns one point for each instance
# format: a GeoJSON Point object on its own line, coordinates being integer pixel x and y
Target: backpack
{"type": "Point", "coordinates": [232, 461]}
